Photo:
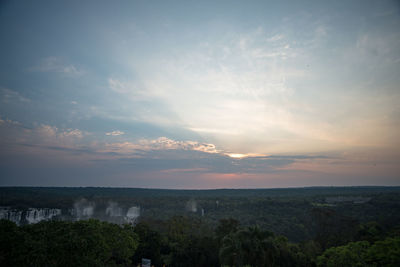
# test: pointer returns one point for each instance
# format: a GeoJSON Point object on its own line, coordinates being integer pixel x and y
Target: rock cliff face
{"type": "Point", "coordinates": [31, 215]}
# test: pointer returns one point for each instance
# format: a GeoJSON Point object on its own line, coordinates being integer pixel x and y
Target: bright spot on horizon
{"type": "Point", "coordinates": [247, 155]}
{"type": "Point", "coordinates": [236, 155]}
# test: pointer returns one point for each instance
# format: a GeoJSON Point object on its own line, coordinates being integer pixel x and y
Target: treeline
{"type": "Point", "coordinates": [299, 214]}
{"type": "Point", "coordinates": [63, 197]}
{"type": "Point", "coordinates": [188, 241]}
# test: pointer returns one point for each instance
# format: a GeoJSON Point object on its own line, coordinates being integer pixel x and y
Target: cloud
{"type": "Point", "coordinates": [275, 38]}
{"type": "Point", "coordinates": [69, 139]}
{"type": "Point", "coordinates": [117, 86]}
{"type": "Point", "coordinates": [8, 95]}
{"type": "Point", "coordinates": [144, 155]}
{"type": "Point", "coordinates": [160, 156]}
{"type": "Point", "coordinates": [166, 143]}
{"type": "Point", "coordinates": [171, 156]}
{"type": "Point", "coordinates": [378, 49]}
{"type": "Point", "coordinates": [115, 133]}
{"type": "Point", "coordinates": [51, 136]}
{"type": "Point", "coordinates": [54, 64]}
{"type": "Point", "coordinates": [52, 131]}
{"type": "Point", "coordinates": [198, 162]}
{"type": "Point", "coordinates": [72, 133]}
{"type": "Point", "coordinates": [9, 122]}
{"type": "Point", "coordinates": [241, 91]}
{"type": "Point", "coordinates": [159, 144]}
{"type": "Point", "coordinates": [47, 131]}
{"type": "Point", "coordinates": [321, 31]}
{"type": "Point", "coordinates": [14, 133]}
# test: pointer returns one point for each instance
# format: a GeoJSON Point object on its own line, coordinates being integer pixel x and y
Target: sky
{"type": "Point", "coordinates": [199, 94]}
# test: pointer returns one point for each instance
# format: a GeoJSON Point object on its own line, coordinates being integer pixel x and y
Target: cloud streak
{"type": "Point", "coordinates": [115, 133]}
{"type": "Point", "coordinates": [54, 64]}
{"type": "Point", "coordinates": [8, 95]}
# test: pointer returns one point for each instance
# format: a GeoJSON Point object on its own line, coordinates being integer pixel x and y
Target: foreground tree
{"type": "Point", "coordinates": [385, 252]}
{"type": "Point", "coordinates": [381, 253]}
{"type": "Point", "coordinates": [249, 246]}
{"type": "Point", "coordinates": [352, 254]}
{"type": "Point", "coordinates": [60, 243]}
{"type": "Point", "coordinates": [150, 244]}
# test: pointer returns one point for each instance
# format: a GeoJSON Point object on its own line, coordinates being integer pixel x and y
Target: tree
{"type": "Point", "coordinates": [381, 253]}
{"type": "Point", "coordinates": [150, 243]}
{"type": "Point", "coordinates": [333, 229]}
{"type": "Point", "coordinates": [385, 252]}
{"type": "Point", "coordinates": [225, 227]}
{"type": "Point", "coordinates": [231, 252]}
{"type": "Point", "coordinates": [248, 246]}
{"type": "Point", "coordinates": [61, 243]}
{"type": "Point", "coordinates": [352, 254]}
{"type": "Point", "coordinates": [12, 249]}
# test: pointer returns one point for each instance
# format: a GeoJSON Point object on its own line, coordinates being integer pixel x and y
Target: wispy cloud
{"type": "Point", "coordinates": [41, 137]}
{"type": "Point", "coordinates": [8, 95]}
{"type": "Point", "coordinates": [159, 144]}
{"type": "Point", "coordinates": [117, 86]}
{"type": "Point", "coordinates": [275, 38]}
{"type": "Point", "coordinates": [51, 135]}
{"type": "Point", "coordinates": [9, 122]}
{"type": "Point", "coordinates": [382, 50]}
{"type": "Point", "coordinates": [54, 64]}
{"type": "Point", "coordinates": [45, 135]}
{"type": "Point", "coordinates": [115, 133]}
{"type": "Point", "coordinates": [233, 91]}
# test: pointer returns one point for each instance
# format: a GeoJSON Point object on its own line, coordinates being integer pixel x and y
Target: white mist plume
{"type": "Point", "coordinates": [83, 209]}
{"type": "Point", "coordinates": [113, 209]}
{"type": "Point", "coordinates": [191, 205]}
{"type": "Point", "coordinates": [132, 214]}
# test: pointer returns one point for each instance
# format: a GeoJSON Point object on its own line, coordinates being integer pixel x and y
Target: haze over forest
{"type": "Point", "coordinates": [199, 94]}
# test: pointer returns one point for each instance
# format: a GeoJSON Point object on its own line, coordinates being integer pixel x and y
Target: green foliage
{"type": "Point", "coordinates": [381, 253]}
{"type": "Point", "coordinates": [58, 243]}
{"type": "Point", "coordinates": [11, 244]}
{"type": "Point", "coordinates": [186, 242]}
{"type": "Point", "coordinates": [370, 231]}
{"type": "Point", "coordinates": [150, 244]}
{"type": "Point", "coordinates": [254, 247]}
{"type": "Point", "coordinates": [190, 243]}
{"type": "Point", "coordinates": [385, 252]}
{"type": "Point", "coordinates": [225, 227]}
{"type": "Point", "coordinates": [333, 228]}
{"type": "Point", "coordinates": [352, 254]}
{"type": "Point", "coordinates": [334, 234]}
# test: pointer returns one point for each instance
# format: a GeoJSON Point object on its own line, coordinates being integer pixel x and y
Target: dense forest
{"type": "Point", "coordinates": [328, 226]}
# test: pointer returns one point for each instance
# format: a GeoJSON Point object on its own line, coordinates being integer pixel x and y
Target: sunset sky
{"type": "Point", "coordinates": [199, 94]}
